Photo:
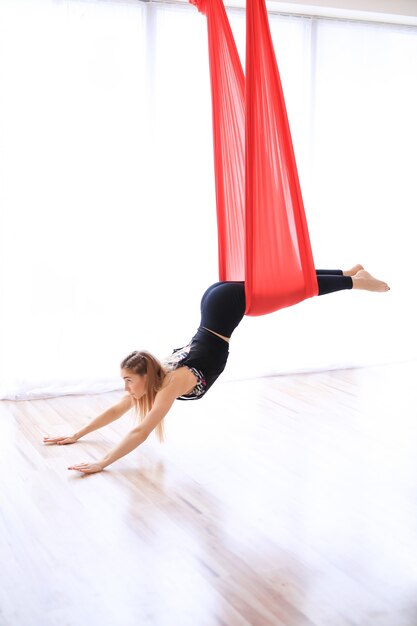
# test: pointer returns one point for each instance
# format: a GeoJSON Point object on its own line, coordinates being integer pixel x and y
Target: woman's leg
{"type": "Point", "coordinates": [223, 304]}
{"type": "Point", "coordinates": [353, 270]}
{"type": "Point", "coordinates": [330, 281]}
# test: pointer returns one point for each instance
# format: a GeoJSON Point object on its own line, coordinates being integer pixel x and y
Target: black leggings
{"type": "Point", "coordinates": [223, 304]}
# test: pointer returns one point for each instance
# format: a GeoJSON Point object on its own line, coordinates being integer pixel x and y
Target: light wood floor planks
{"type": "Point", "coordinates": [288, 501]}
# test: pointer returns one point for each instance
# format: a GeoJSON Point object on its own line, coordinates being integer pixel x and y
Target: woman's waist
{"type": "Point", "coordinates": [205, 337]}
{"type": "Point", "coordinates": [226, 339]}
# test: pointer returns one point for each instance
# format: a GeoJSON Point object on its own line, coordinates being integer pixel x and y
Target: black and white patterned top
{"type": "Point", "coordinates": [205, 356]}
{"type": "Point", "coordinates": [175, 360]}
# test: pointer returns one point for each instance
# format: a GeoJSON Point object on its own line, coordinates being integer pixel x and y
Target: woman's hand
{"type": "Point", "coordinates": [87, 468]}
{"type": "Point", "coordinates": [60, 440]}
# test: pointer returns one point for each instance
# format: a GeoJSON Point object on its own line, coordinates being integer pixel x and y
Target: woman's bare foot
{"type": "Point", "coordinates": [354, 270]}
{"type": "Point", "coordinates": [364, 280]}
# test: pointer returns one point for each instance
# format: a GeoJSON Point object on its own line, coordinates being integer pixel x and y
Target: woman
{"type": "Point", "coordinates": [190, 371]}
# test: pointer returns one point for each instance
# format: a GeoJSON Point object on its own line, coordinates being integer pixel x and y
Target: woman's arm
{"type": "Point", "coordinates": [135, 437]}
{"type": "Point", "coordinates": [163, 402]}
{"type": "Point", "coordinates": [179, 383]}
{"type": "Point", "coordinates": [109, 416]}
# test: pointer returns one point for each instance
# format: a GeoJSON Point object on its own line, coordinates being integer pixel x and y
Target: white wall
{"type": "Point", "coordinates": [107, 218]}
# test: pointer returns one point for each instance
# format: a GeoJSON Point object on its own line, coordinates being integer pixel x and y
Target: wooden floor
{"type": "Point", "coordinates": [288, 501]}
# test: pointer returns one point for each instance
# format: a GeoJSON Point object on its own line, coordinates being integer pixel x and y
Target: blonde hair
{"type": "Point", "coordinates": [141, 363]}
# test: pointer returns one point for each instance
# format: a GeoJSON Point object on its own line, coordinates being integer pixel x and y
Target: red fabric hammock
{"type": "Point", "coordinates": [262, 229]}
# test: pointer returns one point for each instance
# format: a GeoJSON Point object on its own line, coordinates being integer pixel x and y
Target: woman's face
{"type": "Point", "coordinates": [135, 385]}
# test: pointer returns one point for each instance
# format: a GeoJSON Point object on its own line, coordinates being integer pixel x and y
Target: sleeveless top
{"type": "Point", "coordinates": [205, 356]}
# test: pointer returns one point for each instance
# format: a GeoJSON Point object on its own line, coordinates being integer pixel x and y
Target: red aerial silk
{"type": "Point", "coordinates": [262, 229]}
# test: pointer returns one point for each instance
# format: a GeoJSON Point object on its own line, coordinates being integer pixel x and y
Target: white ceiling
{"type": "Point", "coordinates": [393, 11]}
{"type": "Point", "coordinates": [398, 11]}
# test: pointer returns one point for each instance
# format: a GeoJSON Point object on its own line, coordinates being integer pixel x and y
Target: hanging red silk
{"type": "Point", "coordinates": [262, 229]}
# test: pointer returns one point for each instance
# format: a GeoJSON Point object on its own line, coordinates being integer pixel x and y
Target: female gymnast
{"type": "Point", "coordinates": [190, 371]}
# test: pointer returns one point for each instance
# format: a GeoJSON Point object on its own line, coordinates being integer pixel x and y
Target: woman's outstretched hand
{"type": "Point", "coordinates": [87, 468]}
{"type": "Point", "coordinates": [60, 440]}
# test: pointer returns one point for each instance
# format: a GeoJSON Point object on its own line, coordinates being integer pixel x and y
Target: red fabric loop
{"type": "Point", "coordinates": [262, 230]}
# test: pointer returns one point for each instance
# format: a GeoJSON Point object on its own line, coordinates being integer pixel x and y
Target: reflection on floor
{"type": "Point", "coordinates": [287, 501]}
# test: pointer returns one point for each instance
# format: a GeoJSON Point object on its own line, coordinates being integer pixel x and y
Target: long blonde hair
{"type": "Point", "coordinates": [141, 363]}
